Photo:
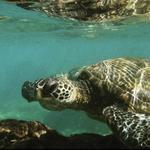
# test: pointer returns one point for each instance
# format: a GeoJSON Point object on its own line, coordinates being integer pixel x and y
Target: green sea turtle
{"type": "Point", "coordinates": [116, 91]}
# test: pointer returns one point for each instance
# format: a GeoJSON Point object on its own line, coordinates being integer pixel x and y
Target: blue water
{"type": "Point", "coordinates": [33, 45]}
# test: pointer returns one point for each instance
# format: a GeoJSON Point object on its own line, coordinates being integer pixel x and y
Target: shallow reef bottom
{"type": "Point", "coordinates": [33, 134]}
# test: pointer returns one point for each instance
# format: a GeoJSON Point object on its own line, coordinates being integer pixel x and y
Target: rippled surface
{"type": "Point", "coordinates": [33, 46]}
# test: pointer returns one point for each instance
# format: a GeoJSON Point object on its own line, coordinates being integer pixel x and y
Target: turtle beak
{"type": "Point", "coordinates": [40, 89]}
{"type": "Point", "coordinates": [28, 91]}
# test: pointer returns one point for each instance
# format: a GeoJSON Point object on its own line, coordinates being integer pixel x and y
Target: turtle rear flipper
{"type": "Point", "coordinates": [132, 128]}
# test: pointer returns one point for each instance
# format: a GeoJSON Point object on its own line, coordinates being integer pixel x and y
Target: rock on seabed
{"type": "Point", "coordinates": [33, 134]}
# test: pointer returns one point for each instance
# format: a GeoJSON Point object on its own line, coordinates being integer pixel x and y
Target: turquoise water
{"type": "Point", "coordinates": [33, 45]}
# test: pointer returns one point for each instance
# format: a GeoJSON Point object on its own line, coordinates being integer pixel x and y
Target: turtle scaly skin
{"type": "Point", "coordinates": [132, 128]}
{"type": "Point", "coordinates": [115, 91]}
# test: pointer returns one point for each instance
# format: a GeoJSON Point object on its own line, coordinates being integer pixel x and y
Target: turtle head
{"type": "Point", "coordinates": [56, 93]}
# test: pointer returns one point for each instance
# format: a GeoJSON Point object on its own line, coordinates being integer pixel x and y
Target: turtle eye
{"type": "Point", "coordinates": [41, 83]}
{"type": "Point", "coordinates": [50, 87]}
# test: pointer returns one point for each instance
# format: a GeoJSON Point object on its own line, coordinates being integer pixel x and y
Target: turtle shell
{"type": "Point", "coordinates": [128, 79]}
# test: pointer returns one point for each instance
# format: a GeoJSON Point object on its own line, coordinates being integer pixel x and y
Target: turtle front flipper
{"type": "Point", "coordinates": [132, 128]}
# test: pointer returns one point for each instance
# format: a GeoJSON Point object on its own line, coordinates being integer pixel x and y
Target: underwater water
{"type": "Point", "coordinates": [33, 45]}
